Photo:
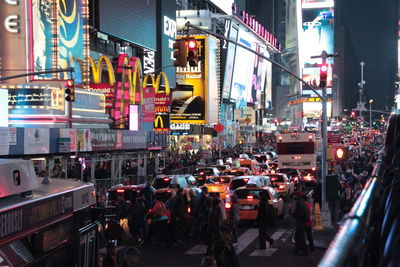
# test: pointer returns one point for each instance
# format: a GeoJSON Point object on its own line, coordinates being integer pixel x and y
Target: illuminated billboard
{"type": "Point", "coordinates": [195, 99]}
{"type": "Point", "coordinates": [314, 109]}
{"type": "Point", "coordinates": [316, 35]}
{"type": "Point", "coordinates": [242, 79]}
{"type": "Point", "coordinates": [317, 3]}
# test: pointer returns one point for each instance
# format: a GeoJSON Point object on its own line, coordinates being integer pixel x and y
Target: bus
{"type": "Point", "coordinates": [45, 223]}
{"type": "Point", "coordinates": [300, 151]}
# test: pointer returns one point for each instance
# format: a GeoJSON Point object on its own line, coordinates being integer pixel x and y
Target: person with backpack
{"type": "Point", "coordinates": [263, 216]}
{"type": "Point", "coordinates": [159, 215]}
{"type": "Point", "coordinates": [301, 216]}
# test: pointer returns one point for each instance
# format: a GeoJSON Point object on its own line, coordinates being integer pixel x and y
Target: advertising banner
{"type": "Point", "coordinates": [106, 89]}
{"type": "Point", "coordinates": [243, 70]}
{"type": "Point", "coordinates": [317, 35]}
{"type": "Point", "coordinates": [148, 106]}
{"type": "Point", "coordinates": [84, 141]}
{"type": "Point", "coordinates": [189, 97]}
{"type": "Point", "coordinates": [70, 37]}
{"type": "Point", "coordinates": [212, 77]}
{"type": "Point", "coordinates": [42, 44]}
{"type": "Point", "coordinates": [314, 109]}
{"type": "Point", "coordinates": [72, 135]}
{"type": "Point", "coordinates": [4, 141]}
{"type": "Point", "coordinates": [103, 139]}
{"type": "Point", "coordinates": [162, 122]}
{"type": "Point", "coordinates": [36, 141]}
{"type": "Point", "coordinates": [134, 140]}
{"type": "Point", "coordinates": [3, 108]}
{"type": "Point", "coordinates": [35, 99]}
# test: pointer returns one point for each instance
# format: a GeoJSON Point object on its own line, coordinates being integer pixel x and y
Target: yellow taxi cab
{"type": "Point", "coordinates": [249, 200]}
{"type": "Point", "coordinates": [242, 171]}
{"type": "Point", "coordinates": [166, 184]}
{"type": "Point", "coordinates": [219, 184]}
{"type": "Point", "coordinates": [283, 185]}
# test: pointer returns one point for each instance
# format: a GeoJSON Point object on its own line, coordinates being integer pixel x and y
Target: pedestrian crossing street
{"type": "Point", "coordinates": [280, 236]}
{"type": "Point", "coordinates": [245, 239]}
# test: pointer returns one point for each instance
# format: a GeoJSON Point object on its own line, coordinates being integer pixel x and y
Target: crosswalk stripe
{"type": "Point", "coordinates": [278, 234]}
{"type": "Point", "coordinates": [245, 239]}
{"type": "Point", "coordinates": [199, 249]}
{"type": "Point", "coordinates": [263, 252]}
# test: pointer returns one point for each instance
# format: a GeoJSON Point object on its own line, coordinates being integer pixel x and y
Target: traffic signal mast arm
{"type": "Point", "coordinates": [189, 25]}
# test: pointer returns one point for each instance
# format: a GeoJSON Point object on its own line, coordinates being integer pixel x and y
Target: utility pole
{"type": "Point", "coordinates": [325, 214]}
{"type": "Point", "coordinates": [360, 104]}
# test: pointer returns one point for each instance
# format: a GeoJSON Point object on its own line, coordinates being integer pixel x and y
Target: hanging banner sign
{"type": "Point", "coordinates": [148, 105]}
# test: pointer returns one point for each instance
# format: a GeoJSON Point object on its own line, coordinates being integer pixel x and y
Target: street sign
{"type": "Point", "coordinates": [219, 127]}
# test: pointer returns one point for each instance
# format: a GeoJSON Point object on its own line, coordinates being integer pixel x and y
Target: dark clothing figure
{"type": "Point", "coordinates": [262, 221]}
{"type": "Point", "coordinates": [148, 196]}
{"type": "Point", "coordinates": [301, 215]}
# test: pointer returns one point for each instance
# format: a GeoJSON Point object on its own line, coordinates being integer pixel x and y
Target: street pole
{"type": "Point", "coordinates": [361, 90]}
{"type": "Point", "coordinates": [370, 116]}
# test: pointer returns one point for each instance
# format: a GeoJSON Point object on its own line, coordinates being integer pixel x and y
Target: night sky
{"type": "Point", "coordinates": [372, 30]}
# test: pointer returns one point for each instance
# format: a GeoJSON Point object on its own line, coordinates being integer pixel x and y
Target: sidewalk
{"type": "Point", "coordinates": [322, 238]}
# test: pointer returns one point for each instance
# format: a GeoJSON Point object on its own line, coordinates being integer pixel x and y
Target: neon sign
{"type": "Point", "coordinates": [259, 29]}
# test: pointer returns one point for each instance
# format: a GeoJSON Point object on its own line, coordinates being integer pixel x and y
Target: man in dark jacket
{"type": "Point", "coordinates": [301, 215]}
{"type": "Point", "coordinates": [262, 220]}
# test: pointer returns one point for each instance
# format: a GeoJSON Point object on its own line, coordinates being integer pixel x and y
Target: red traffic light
{"type": "Point", "coordinates": [69, 90]}
{"type": "Point", "coordinates": [340, 153]}
{"type": "Point", "coordinates": [323, 75]}
{"type": "Point", "coordinates": [192, 52]}
{"type": "Point", "coordinates": [192, 44]}
{"type": "Point", "coordinates": [353, 114]}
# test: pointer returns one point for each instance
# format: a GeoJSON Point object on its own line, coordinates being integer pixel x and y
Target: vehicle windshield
{"type": "Point", "coordinates": [290, 172]}
{"type": "Point", "coordinates": [277, 178]}
{"type": "Point", "coordinates": [238, 183]}
{"type": "Point", "coordinates": [161, 183]}
{"type": "Point", "coordinates": [203, 172]}
{"type": "Point", "coordinates": [261, 158]}
{"type": "Point", "coordinates": [234, 172]}
{"type": "Point", "coordinates": [218, 180]}
{"type": "Point", "coordinates": [263, 167]}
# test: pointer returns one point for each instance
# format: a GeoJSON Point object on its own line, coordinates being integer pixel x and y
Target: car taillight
{"type": "Point", "coordinates": [245, 179]}
{"type": "Point", "coordinates": [228, 205]}
{"type": "Point", "coordinates": [188, 210]}
{"type": "Point", "coordinates": [216, 182]}
{"type": "Point", "coordinates": [281, 187]}
{"type": "Point", "coordinates": [120, 190]}
{"type": "Point", "coordinates": [313, 169]}
{"type": "Point", "coordinates": [166, 179]}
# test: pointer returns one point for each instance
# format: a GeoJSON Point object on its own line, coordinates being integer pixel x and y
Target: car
{"type": "Point", "coordinates": [237, 171]}
{"type": "Point", "coordinates": [251, 164]}
{"type": "Point", "coordinates": [219, 184]}
{"type": "Point", "coordinates": [295, 176]}
{"type": "Point", "coordinates": [310, 177]}
{"type": "Point", "coordinates": [240, 181]}
{"type": "Point", "coordinates": [282, 184]}
{"type": "Point", "coordinates": [249, 200]}
{"type": "Point", "coordinates": [263, 167]}
{"type": "Point", "coordinates": [166, 184]}
{"type": "Point", "coordinates": [222, 167]}
{"type": "Point", "coordinates": [128, 191]}
{"type": "Point", "coordinates": [201, 174]}
{"type": "Point", "coordinates": [261, 158]}
{"type": "Point", "coordinates": [273, 165]}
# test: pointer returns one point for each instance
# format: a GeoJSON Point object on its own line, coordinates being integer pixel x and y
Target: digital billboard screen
{"type": "Point", "coordinates": [131, 20]}
{"type": "Point", "coordinates": [317, 34]}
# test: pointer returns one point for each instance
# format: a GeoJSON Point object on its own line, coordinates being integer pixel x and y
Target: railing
{"type": "Point", "coordinates": [359, 241]}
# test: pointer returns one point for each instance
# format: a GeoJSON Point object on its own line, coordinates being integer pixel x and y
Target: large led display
{"type": "Point", "coordinates": [243, 70]}
{"type": "Point", "coordinates": [132, 20]}
{"type": "Point", "coordinates": [317, 34]}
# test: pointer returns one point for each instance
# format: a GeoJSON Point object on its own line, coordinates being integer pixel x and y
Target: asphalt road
{"type": "Point", "coordinates": [280, 254]}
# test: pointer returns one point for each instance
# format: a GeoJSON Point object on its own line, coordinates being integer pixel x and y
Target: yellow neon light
{"type": "Point", "coordinates": [97, 69]}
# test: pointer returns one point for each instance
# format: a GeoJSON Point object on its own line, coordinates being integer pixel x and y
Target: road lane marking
{"type": "Point", "coordinates": [278, 234]}
{"type": "Point", "coordinates": [246, 239]}
{"type": "Point", "coordinates": [263, 252]}
{"type": "Point", "coordinates": [196, 250]}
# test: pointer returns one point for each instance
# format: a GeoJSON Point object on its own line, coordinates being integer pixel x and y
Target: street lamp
{"type": "Point", "coordinates": [370, 115]}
